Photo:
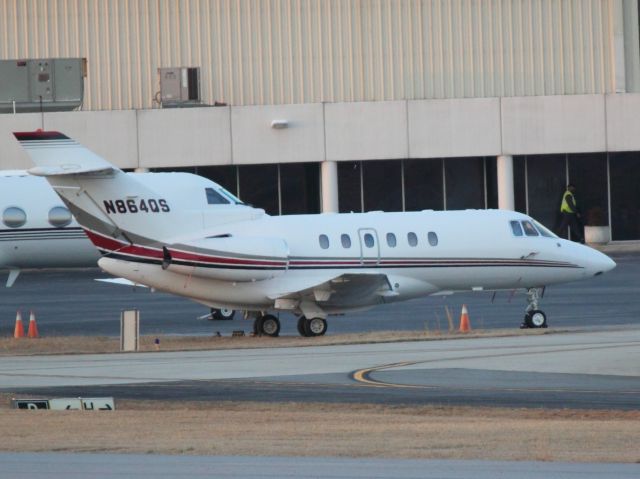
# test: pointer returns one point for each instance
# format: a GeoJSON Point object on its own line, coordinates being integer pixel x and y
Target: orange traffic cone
{"type": "Point", "coordinates": [465, 326]}
{"type": "Point", "coordinates": [18, 332]}
{"type": "Point", "coordinates": [33, 327]}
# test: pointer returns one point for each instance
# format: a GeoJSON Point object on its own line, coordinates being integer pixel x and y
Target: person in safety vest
{"type": "Point", "coordinates": [570, 215]}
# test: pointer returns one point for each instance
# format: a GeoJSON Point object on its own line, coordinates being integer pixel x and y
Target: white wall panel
{"type": "Point", "coordinates": [309, 51]}
{"type": "Point", "coordinates": [441, 128]}
{"type": "Point", "coordinates": [553, 124]}
{"type": "Point", "coordinates": [623, 122]}
{"type": "Point", "coordinates": [184, 136]}
{"type": "Point", "coordinates": [110, 134]}
{"type": "Point", "coordinates": [255, 141]}
{"type": "Point", "coordinates": [366, 130]}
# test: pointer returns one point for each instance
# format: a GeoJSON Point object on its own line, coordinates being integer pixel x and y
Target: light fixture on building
{"type": "Point", "coordinates": [279, 124]}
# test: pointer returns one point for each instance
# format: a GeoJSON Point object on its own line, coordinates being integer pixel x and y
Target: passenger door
{"type": "Point", "coordinates": [369, 246]}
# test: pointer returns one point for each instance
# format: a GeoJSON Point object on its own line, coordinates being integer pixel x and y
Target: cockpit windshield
{"type": "Point", "coordinates": [544, 231]}
{"type": "Point", "coordinates": [221, 196]}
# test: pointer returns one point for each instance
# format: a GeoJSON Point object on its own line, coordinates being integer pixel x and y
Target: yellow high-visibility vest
{"type": "Point", "coordinates": [565, 208]}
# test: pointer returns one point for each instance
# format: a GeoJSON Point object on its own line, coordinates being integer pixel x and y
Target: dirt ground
{"type": "Point", "coordinates": [96, 344]}
{"type": "Point", "coordinates": [294, 429]}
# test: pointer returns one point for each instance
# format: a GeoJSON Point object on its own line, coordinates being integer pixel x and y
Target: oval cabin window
{"type": "Point", "coordinates": [324, 241]}
{"type": "Point", "coordinates": [412, 238]}
{"type": "Point", "coordinates": [346, 241]}
{"type": "Point", "coordinates": [391, 240]}
{"type": "Point", "coordinates": [14, 217]}
{"type": "Point", "coordinates": [433, 238]}
{"type": "Point", "coordinates": [59, 216]}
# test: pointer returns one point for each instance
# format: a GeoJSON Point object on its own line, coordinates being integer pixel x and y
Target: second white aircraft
{"type": "Point", "coordinates": [186, 235]}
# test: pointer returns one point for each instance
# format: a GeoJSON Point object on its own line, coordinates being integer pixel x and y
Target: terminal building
{"type": "Point", "coordinates": [307, 106]}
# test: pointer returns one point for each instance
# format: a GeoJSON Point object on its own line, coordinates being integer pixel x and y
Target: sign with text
{"type": "Point", "coordinates": [66, 404]}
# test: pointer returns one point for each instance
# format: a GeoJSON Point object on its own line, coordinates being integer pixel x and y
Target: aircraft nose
{"type": "Point", "coordinates": [600, 263]}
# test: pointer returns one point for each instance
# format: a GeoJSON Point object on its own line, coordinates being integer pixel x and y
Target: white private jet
{"type": "Point", "coordinates": [36, 229]}
{"type": "Point", "coordinates": [186, 235]}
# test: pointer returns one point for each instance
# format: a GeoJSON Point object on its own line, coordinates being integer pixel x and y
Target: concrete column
{"type": "Point", "coordinates": [505, 183]}
{"type": "Point", "coordinates": [141, 170]}
{"type": "Point", "coordinates": [329, 186]}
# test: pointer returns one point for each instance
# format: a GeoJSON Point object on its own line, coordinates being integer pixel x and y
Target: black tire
{"type": "Point", "coordinates": [535, 319]}
{"type": "Point", "coordinates": [223, 314]}
{"type": "Point", "coordinates": [257, 326]}
{"type": "Point", "coordinates": [301, 330]}
{"type": "Point", "coordinates": [269, 326]}
{"type": "Point", "coordinates": [316, 326]}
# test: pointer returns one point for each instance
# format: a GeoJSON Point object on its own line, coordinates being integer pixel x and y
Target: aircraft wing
{"type": "Point", "coordinates": [353, 289]}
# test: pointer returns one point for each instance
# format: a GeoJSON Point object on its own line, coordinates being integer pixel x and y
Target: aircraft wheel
{"type": "Point", "coordinates": [316, 326]}
{"type": "Point", "coordinates": [222, 314]}
{"type": "Point", "coordinates": [301, 322]}
{"type": "Point", "coordinates": [535, 319]}
{"type": "Point", "coordinates": [268, 325]}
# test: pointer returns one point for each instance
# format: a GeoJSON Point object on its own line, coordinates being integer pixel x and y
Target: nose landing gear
{"type": "Point", "coordinates": [534, 318]}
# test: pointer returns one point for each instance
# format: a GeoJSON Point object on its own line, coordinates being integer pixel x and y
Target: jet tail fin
{"type": "Point", "coordinates": [55, 154]}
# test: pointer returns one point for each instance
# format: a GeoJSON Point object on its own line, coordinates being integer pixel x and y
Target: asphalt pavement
{"type": "Point", "coordinates": [71, 302]}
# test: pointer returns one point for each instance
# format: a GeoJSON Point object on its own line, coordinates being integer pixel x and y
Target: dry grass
{"type": "Point", "coordinates": [95, 344]}
{"type": "Point", "coordinates": [329, 430]}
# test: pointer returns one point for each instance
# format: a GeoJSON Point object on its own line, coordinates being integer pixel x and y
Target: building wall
{"type": "Point", "coordinates": [259, 52]}
{"type": "Point", "coordinates": [343, 131]}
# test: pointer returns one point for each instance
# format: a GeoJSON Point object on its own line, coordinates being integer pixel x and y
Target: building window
{"type": "Point", "coordinates": [423, 183]}
{"type": "Point", "coordinates": [391, 240]}
{"type": "Point", "coordinates": [346, 241]}
{"type": "Point", "coordinates": [324, 241]}
{"type": "Point", "coordinates": [412, 239]}
{"type": "Point", "coordinates": [350, 186]}
{"type": "Point", "coordinates": [625, 195]}
{"type": "Point", "coordinates": [259, 187]}
{"type": "Point", "coordinates": [464, 183]}
{"type": "Point", "coordinates": [382, 185]}
{"type": "Point", "coordinates": [299, 188]}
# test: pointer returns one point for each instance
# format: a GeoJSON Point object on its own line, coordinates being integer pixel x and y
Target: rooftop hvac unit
{"type": "Point", "coordinates": [179, 86]}
{"type": "Point", "coordinates": [48, 84]}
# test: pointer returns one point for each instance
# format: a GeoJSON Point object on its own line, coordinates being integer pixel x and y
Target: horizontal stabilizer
{"type": "Point", "coordinates": [55, 154]}
{"type": "Point", "coordinates": [120, 281]}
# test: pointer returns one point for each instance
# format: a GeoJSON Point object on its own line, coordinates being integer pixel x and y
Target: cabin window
{"type": "Point", "coordinates": [529, 229]}
{"type": "Point", "coordinates": [516, 228]}
{"type": "Point", "coordinates": [433, 238]}
{"type": "Point", "coordinates": [59, 216]}
{"type": "Point", "coordinates": [391, 240]}
{"type": "Point", "coordinates": [215, 198]}
{"type": "Point", "coordinates": [368, 240]}
{"type": "Point", "coordinates": [412, 238]}
{"type": "Point", "coordinates": [346, 241]}
{"type": "Point", "coordinates": [324, 241]}
{"type": "Point", "coordinates": [14, 217]}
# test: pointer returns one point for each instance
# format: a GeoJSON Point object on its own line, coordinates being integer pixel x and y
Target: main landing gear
{"type": "Point", "coordinates": [224, 314]}
{"type": "Point", "coordinates": [309, 327]}
{"type": "Point", "coordinates": [266, 325]}
{"type": "Point", "coordinates": [534, 318]}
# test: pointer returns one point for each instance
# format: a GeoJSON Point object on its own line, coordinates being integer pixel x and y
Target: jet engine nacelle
{"type": "Point", "coordinates": [229, 258]}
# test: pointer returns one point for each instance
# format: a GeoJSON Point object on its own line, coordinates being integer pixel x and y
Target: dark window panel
{"type": "Point", "coordinates": [546, 176]}
{"type": "Point", "coordinates": [300, 188]}
{"type": "Point", "coordinates": [382, 185]}
{"type": "Point", "coordinates": [259, 186]}
{"type": "Point", "coordinates": [588, 172]}
{"type": "Point", "coordinates": [491, 165]}
{"type": "Point", "coordinates": [349, 186]}
{"type": "Point", "coordinates": [519, 189]}
{"type": "Point", "coordinates": [225, 176]}
{"type": "Point", "coordinates": [465, 183]}
{"type": "Point", "coordinates": [423, 185]}
{"type": "Point", "coordinates": [624, 169]}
